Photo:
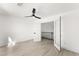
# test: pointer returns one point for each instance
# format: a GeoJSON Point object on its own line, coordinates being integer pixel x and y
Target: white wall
{"type": "Point", "coordinates": [19, 29]}
{"type": "Point", "coordinates": [70, 24]}
{"type": "Point", "coordinates": [3, 30]}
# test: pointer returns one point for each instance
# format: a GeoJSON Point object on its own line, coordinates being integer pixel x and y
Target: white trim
{"type": "Point", "coordinates": [57, 47]}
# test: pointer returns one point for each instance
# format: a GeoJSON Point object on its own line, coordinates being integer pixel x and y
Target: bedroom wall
{"type": "Point", "coordinates": [19, 29]}
{"type": "Point", "coordinates": [71, 31]}
{"type": "Point", "coordinates": [3, 30]}
{"type": "Point", "coordinates": [23, 29]}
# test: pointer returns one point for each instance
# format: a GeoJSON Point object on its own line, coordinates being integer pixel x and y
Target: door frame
{"type": "Point", "coordinates": [58, 47]}
{"type": "Point", "coordinates": [54, 30]}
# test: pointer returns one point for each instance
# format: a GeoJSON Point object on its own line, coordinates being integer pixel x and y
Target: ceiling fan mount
{"type": "Point", "coordinates": [33, 14]}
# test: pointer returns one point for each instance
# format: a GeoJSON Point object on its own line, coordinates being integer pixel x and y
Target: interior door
{"type": "Point", "coordinates": [57, 33]}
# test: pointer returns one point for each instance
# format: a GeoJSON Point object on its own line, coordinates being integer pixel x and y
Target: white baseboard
{"type": "Point", "coordinates": [73, 50]}
{"type": "Point", "coordinates": [22, 40]}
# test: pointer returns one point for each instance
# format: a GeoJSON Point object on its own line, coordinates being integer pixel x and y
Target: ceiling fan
{"type": "Point", "coordinates": [33, 14]}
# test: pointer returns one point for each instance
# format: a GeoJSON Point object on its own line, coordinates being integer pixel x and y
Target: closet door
{"type": "Point", "coordinates": [57, 33]}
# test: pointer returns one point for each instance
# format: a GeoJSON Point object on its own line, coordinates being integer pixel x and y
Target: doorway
{"type": "Point", "coordinates": [52, 31]}
{"type": "Point", "coordinates": [47, 30]}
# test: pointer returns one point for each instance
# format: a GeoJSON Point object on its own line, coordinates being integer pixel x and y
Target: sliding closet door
{"type": "Point", "coordinates": [57, 33]}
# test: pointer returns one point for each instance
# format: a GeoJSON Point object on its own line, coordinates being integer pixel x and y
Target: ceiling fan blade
{"type": "Point", "coordinates": [37, 17]}
{"type": "Point", "coordinates": [28, 16]}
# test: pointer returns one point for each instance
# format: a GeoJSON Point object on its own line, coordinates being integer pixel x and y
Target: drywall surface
{"type": "Point", "coordinates": [3, 30]}
{"type": "Point", "coordinates": [21, 29]}
{"type": "Point", "coordinates": [71, 31]}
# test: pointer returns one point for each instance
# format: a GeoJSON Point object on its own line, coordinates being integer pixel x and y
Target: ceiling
{"type": "Point", "coordinates": [43, 9]}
